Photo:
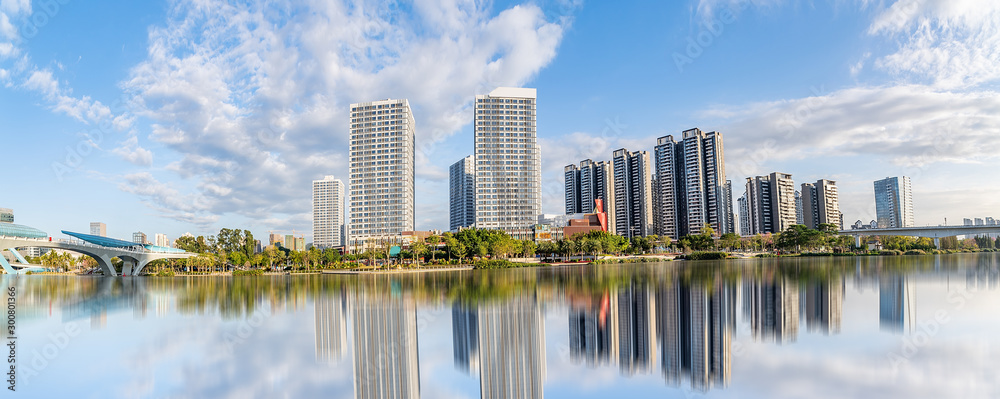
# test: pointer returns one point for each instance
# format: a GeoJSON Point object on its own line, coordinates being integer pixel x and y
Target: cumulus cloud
{"type": "Point", "coordinates": [948, 43]}
{"type": "Point", "coordinates": [255, 97]}
{"type": "Point", "coordinates": [133, 153]}
{"type": "Point", "coordinates": [913, 126]}
{"type": "Point", "coordinates": [168, 200]}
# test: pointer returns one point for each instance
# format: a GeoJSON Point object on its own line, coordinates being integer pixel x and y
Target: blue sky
{"type": "Point", "coordinates": [189, 116]}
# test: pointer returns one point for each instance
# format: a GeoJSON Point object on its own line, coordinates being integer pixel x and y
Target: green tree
{"type": "Point", "coordinates": [591, 246]}
{"type": "Point", "coordinates": [458, 249]}
{"type": "Point", "coordinates": [528, 248]}
{"type": "Point", "coordinates": [548, 248]}
{"type": "Point", "coordinates": [652, 240]}
{"type": "Point", "coordinates": [729, 240]}
{"type": "Point", "coordinates": [418, 248]}
{"type": "Point", "coordinates": [798, 236]}
{"type": "Point", "coordinates": [569, 247]}
{"type": "Point", "coordinates": [432, 243]}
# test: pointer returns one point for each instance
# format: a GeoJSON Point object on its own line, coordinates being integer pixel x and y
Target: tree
{"type": "Point", "coordinates": [569, 247]}
{"type": "Point", "coordinates": [192, 244]}
{"type": "Point", "coordinates": [271, 253]}
{"type": "Point", "coordinates": [433, 242]}
{"type": "Point", "coordinates": [695, 242]}
{"type": "Point", "coordinates": [591, 246]}
{"type": "Point", "coordinates": [418, 248]}
{"type": "Point", "coordinates": [548, 247]}
{"type": "Point", "coordinates": [798, 236]}
{"type": "Point", "coordinates": [458, 249]}
{"type": "Point", "coordinates": [385, 251]}
{"type": "Point", "coordinates": [528, 248]}
{"type": "Point", "coordinates": [331, 256]}
{"type": "Point", "coordinates": [729, 240]}
{"type": "Point", "coordinates": [653, 240]}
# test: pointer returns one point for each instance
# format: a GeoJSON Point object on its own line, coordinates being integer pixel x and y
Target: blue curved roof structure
{"type": "Point", "coordinates": [103, 241]}
{"type": "Point", "coordinates": [20, 231]}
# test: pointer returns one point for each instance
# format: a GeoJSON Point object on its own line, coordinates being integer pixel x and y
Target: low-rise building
{"type": "Point", "coordinates": [6, 215]}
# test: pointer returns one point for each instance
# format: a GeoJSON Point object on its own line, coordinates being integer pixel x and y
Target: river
{"type": "Point", "coordinates": [904, 326]}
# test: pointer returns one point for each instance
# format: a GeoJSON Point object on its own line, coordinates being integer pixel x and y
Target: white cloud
{"type": "Point", "coordinates": [913, 126]}
{"type": "Point", "coordinates": [7, 50]}
{"type": "Point", "coordinates": [949, 43]}
{"type": "Point", "coordinates": [7, 29]}
{"type": "Point", "coordinates": [15, 7]}
{"type": "Point", "coordinates": [132, 152]}
{"type": "Point", "coordinates": [83, 109]}
{"type": "Point", "coordinates": [860, 65]}
{"type": "Point", "coordinates": [254, 98]}
{"type": "Point", "coordinates": [168, 200]}
{"type": "Point", "coordinates": [42, 82]}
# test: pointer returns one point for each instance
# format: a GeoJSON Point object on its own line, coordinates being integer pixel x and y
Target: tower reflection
{"type": "Point", "coordinates": [385, 344]}
{"type": "Point", "coordinates": [505, 342]}
{"type": "Point", "coordinates": [331, 327]}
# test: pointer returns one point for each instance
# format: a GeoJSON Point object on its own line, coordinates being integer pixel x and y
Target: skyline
{"type": "Point", "coordinates": [209, 142]}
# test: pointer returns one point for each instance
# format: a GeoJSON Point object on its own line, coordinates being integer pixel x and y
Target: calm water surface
{"type": "Point", "coordinates": [916, 326]}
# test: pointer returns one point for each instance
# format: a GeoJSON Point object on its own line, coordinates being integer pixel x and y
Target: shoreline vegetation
{"type": "Point", "coordinates": [233, 252]}
{"type": "Point", "coordinates": [493, 264]}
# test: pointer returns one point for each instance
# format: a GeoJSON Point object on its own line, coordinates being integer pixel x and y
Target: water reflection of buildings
{"type": "Point", "coordinates": [771, 306]}
{"type": "Point", "coordinates": [692, 325]}
{"type": "Point", "coordinates": [823, 303]}
{"type": "Point", "coordinates": [636, 329]}
{"type": "Point", "coordinates": [506, 341]}
{"type": "Point", "coordinates": [385, 346]}
{"type": "Point", "coordinates": [618, 327]}
{"type": "Point", "coordinates": [985, 276]}
{"type": "Point", "coordinates": [593, 330]}
{"type": "Point", "coordinates": [895, 309]}
{"type": "Point", "coordinates": [696, 327]}
{"type": "Point", "coordinates": [465, 337]}
{"type": "Point", "coordinates": [331, 327]}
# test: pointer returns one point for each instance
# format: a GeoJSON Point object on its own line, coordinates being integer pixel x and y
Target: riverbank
{"type": "Point", "coordinates": [399, 271]}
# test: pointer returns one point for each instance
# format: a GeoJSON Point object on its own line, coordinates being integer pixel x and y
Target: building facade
{"type": "Point", "coordinates": [382, 167]}
{"type": "Point", "coordinates": [462, 193]}
{"type": "Point", "coordinates": [508, 160]}
{"type": "Point", "coordinates": [6, 215]}
{"type": "Point", "coordinates": [161, 240]}
{"type": "Point", "coordinates": [139, 237]}
{"type": "Point", "coordinates": [571, 181]}
{"type": "Point", "coordinates": [691, 185]}
{"type": "Point", "coordinates": [799, 207]}
{"type": "Point", "coordinates": [589, 182]}
{"type": "Point", "coordinates": [893, 202]}
{"type": "Point", "coordinates": [770, 203]}
{"type": "Point", "coordinates": [820, 204]}
{"type": "Point", "coordinates": [328, 212]}
{"type": "Point", "coordinates": [744, 216]}
{"type": "Point", "coordinates": [276, 239]}
{"type": "Point", "coordinates": [98, 229]}
{"type": "Point", "coordinates": [633, 193]}
{"type": "Point", "coordinates": [731, 226]}
{"type": "Point", "coordinates": [295, 243]}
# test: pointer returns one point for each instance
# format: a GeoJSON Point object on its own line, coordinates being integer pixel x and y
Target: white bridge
{"type": "Point", "coordinates": [133, 255]}
{"type": "Point", "coordinates": [935, 232]}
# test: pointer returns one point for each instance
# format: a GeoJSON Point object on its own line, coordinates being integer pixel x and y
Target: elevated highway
{"type": "Point", "coordinates": [935, 232]}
